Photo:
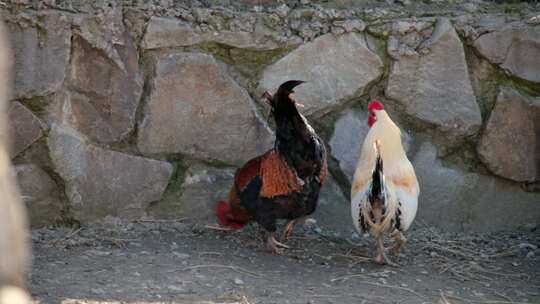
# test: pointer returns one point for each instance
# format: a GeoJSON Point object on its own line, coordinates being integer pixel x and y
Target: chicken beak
{"type": "Point", "coordinates": [267, 96]}
{"type": "Point", "coordinates": [291, 97]}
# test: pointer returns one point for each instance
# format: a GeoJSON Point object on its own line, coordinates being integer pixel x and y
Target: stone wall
{"type": "Point", "coordinates": [145, 109]}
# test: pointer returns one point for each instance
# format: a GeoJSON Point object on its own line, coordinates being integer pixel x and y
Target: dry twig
{"type": "Point", "coordinates": [444, 300]}
{"type": "Point", "coordinates": [484, 301]}
{"type": "Point", "coordinates": [377, 284]}
{"type": "Point", "coordinates": [160, 221]}
{"type": "Point", "coordinates": [234, 268]}
{"type": "Point", "coordinates": [65, 238]}
{"type": "Point", "coordinates": [209, 253]}
{"type": "Point", "coordinates": [346, 277]}
{"type": "Point", "coordinates": [219, 228]}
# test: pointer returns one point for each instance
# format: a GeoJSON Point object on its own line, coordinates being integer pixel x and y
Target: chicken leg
{"type": "Point", "coordinates": [273, 245]}
{"type": "Point", "coordinates": [400, 241]}
{"type": "Point", "coordinates": [287, 230]}
{"type": "Point", "coordinates": [381, 257]}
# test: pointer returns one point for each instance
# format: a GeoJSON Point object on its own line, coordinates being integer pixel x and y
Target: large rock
{"type": "Point", "coordinates": [435, 87]}
{"type": "Point", "coordinates": [41, 49]}
{"type": "Point", "coordinates": [194, 107]}
{"type": "Point", "coordinates": [510, 144]}
{"type": "Point", "coordinates": [105, 85]}
{"type": "Point", "coordinates": [196, 196]}
{"type": "Point", "coordinates": [349, 132]}
{"type": "Point", "coordinates": [100, 182]}
{"type": "Point", "coordinates": [25, 127]}
{"type": "Point", "coordinates": [485, 83]}
{"type": "Point", "coordinates": [346, 142]}
{"type": "Point", "coordinates": [40, 194]}
{"type": "Point", "coordinates": [457, 200]}
{"type": "Point", "coordinates": [515, 48]}
{"type": "Point", "coordinates": [167, 32]}
{"type": "Point", "coordinates": [336, 69]}
{"type": "Point", "coordinates": [333, 212]}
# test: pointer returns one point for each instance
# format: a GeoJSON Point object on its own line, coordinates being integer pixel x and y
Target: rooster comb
{"type": "Point", "coordinates": [375, 105]}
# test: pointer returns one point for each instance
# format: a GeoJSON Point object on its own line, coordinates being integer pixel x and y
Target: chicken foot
{"type": "Point", "coordinates": [381, 257]}
{"type": "Point", "coordinates": [273, 245]}
{"type": "Point", "coordinates": [400, 241]}
{"type": "Point", "coordinates": [287, 230]}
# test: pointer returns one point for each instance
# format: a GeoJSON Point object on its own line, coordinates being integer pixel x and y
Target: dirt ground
{"type": "Point", "coordinates": [178, 262]}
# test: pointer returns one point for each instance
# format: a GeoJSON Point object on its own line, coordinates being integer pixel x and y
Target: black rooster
{"type": "Point", "coordinates": [283, 183]}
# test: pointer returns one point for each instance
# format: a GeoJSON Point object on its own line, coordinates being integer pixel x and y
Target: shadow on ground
{"type": "Point", "coordinates": [175, 262]}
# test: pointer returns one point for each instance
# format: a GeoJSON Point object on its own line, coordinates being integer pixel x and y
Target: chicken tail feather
{"type": "Point", "coordinates": [223, 214]}
{"type": "Point", "coordinates": [377, 188]}
{"type": "Point", "coordinates": [378, 195]}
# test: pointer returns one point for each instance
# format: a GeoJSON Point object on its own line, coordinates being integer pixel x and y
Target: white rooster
{"type": "Point", "coordinates": [384, 194]}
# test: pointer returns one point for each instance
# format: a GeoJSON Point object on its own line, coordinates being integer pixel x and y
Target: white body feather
{"type": "Point", "coordinates": [401, 187]}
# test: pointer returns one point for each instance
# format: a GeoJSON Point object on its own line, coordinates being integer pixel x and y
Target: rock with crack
{"type": "Point", "coordinates": [104, 84]}
{"type": "Point", "coordinates": [164, 32]}
{"type": "Point", "coordinates": [101, 182]}
{"type": "Point", "coordinates": [515, 47]}
{"type": "Point", "coordinates": [435, 86]}
{"type": "Point", "coordinates": [333, 210]}
{"type": "Point", "coordinates": [509, 144]}
{"type": "Point", "coordinates": [41, 46]}
{"type": "Point", "coordinates": [336, 69]}
{"type": "Point", "coordinates": [457, 200]}
{"type": "Point", "coordinates": [40, 194]}
{"type": "Point", "coordinates": [195, 198]}
{"type": "Point", "coordinates": [25, 128]}
{"type": "Point", "coordinates": [350, 130]}
{"type": "Point", "coordinates": [195, 108]}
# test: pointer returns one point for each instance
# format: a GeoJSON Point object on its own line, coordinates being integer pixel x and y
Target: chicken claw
{"type": "Point", "coordinates": [273, 245]}
{"type": "Point", "coordinates": [400, 240]}
{"type": "Point", "coordinates": [290, 226]}
{"type": "Point", "coordinates": [381, 257]}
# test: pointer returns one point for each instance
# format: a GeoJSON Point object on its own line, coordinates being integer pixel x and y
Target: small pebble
{"type": "Point", "coordinates": [181, 256]}
{"type": "Point", "coordinates": [97, 291]}
{"type": "Point", "coordinates": [534, 20]}
{"type": "Point", "coordinates": [238, 281]}
{"type": "Point", "coordinates": [478, 294]}
{"type": "Point", "coordinates": [98, 252]}
{"type": "Point", "coordinates": [310, 221]}
{"type": "Point", "coordinates": [176, 288]}
{"type": "Point", "coordinates": [470, 7]}
{"type": "Point", "coordinates": [528, 246]}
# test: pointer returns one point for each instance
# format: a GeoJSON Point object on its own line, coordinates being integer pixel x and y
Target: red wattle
{"type": "Point", "coordinates": [371, 120]}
